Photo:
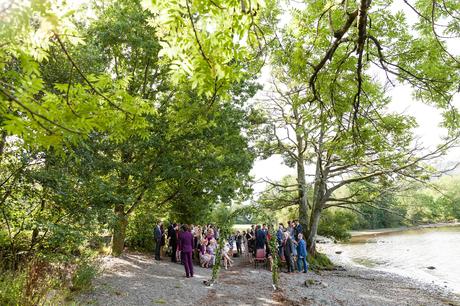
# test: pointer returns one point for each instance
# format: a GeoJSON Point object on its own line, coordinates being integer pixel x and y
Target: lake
{"type": "Point", "coordinates": [408, 253]}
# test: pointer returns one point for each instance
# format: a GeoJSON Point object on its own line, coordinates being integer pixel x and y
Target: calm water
{"type": "Point", "coordinates": [409, 253]}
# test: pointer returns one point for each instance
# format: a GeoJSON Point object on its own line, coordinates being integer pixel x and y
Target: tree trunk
{"type": "Point", "coordinates": [121, 217]}
{"type": "Point", "coordinates": [314, 222]}
{"type": "Point", "coordinates": [302, 193]}
{"type": "Point", "coordinates": [318, 195]}
{"type": "Point", "coordinates": [2, 143]}
{"type": "Point", "coordinates": [119, 230]}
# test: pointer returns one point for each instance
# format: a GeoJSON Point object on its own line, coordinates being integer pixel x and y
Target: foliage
{"type": "Point", "coordinates": [336, 224]}
{"type": "Point", "coordinates": [224, 219]}
{"type": "Point", "coordinates": [319, 261]}
{"type": "Point", "coordinates": [273, 245]}
{"type": "Point", "coordinates": [11, 287]}
{"type": "Point", "coordinates": [83, 276]}
{"type": "Point", "coordinates": [328, 114]}
{"type": "Point", "coordinates": [114, 114]}
{"type": "Point", "coordinates": [210, 44]}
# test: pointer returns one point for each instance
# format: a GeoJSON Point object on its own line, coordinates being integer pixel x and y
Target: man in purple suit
{"type": "Point", "coordinates": [186, 248]}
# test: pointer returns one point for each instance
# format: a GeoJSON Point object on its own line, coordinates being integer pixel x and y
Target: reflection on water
{"type": "Point", "coordinates": [409, 253]}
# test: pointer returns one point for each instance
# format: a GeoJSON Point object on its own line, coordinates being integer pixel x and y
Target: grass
{"type": "Point", "coordinates": [159, 301]}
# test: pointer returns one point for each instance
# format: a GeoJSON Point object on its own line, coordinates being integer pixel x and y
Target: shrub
{"type": "Point", "coordinates": [319, 262]}
{"type": "Point", "coordinates": [83, 277]}
{"type": "Point", "coordinates": [11, 287]}
{"type": "Point", "coordinates": [27, 286]}
{"type": "Point", "coordinates": [336, 224]}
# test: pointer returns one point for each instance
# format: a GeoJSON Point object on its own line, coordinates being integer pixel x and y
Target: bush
{"type": "Point", "coordinates": [139, 232]}
{"type": "Point", "coordinates": [83, 277]}
{"type": "Point", "coordinates": [336, 224]}
{"type": "Point", "coordinates": [319, 262]}
{"type": "Point", "coordinates": [11, 288]}
{"type": "Point", "coordinates": [27, 286]}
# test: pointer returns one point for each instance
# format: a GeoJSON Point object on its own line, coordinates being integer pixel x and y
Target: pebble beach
{"type": "Point", "coordinates": [137, 279]}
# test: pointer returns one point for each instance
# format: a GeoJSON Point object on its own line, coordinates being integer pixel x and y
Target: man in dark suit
{"type": "Point", "coordinates": [261, 238]}
{"type": "Point", "coordinates": [173, 241]}
{"type": "Point", "coordinates": [157, 234]}
{"type": "Point", "coordinates": [298, 230]}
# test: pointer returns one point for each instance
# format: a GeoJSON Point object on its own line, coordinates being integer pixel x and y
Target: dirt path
{"type": "Point", "coordinates": [137, 279]}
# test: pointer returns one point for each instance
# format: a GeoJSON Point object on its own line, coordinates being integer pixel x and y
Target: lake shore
{"type": "Point", "coordinates": [136, 279]}
{"type": "Point", "coordinates": [384, 231]}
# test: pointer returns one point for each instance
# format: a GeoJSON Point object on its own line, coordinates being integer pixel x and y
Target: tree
{"type": "Point", "coordinates": [196, 157]}
{"type": "Point", "coordinates": [108, 108]}
{"type": "Point", "coordinates": [211, 44]}
{"type": "Point", "coordinates": [350, 134]}
{"type": "Point", "coordinates": [66, 112]}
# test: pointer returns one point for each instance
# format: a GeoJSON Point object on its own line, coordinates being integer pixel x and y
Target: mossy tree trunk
{"type": "Point", "coordinates": [121, 216]}
{"type": "Point", "coordinates": [319, 196]}
{"type": "Point", "coordinates": [314, 222]}
{"type": "Point", "coordinates": [119, 230]}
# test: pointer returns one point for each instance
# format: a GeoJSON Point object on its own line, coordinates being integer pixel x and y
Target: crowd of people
{"type": "Point", "coordinates": [189, 243]}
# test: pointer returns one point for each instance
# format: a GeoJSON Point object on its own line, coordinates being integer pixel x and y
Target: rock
{"type": "Point", "coordinates": [431, 268]}
{"type": "Point", "coordinates": [338, 252]}
{"type": "Point", "coordinates": [339, 268]}
{"type": "Point", "coordinates": [309, 283]}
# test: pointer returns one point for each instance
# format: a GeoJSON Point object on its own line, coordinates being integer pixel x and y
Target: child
{"type": "Point", "coordinates": [227, 259]}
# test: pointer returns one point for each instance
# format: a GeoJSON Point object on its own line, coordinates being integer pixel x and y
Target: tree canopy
{"type": "Point", "coordinates": [114, 114]}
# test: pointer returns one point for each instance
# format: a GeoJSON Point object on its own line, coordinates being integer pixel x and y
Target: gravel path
{"type": "Point", "coordinates": [136, 279]}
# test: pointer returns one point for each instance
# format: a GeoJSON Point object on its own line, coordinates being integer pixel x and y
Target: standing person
{"type": "Point", "coordinates": [239, 239]}
{"type": "Point", "coordinates": [287, 245]}
{"type": "Point", "coordinates": [294, 241]}
{"type": "Point", "coordinates": [186, 248]}
{"type": "Point", "coordinates": [299, 229]}
{"type": "Point", "coordinates": [162, 240]}
{"type": "Point", "coordinates": [250, 240]}
{"type": "Point", "coordinates": [157, 234]}
{"type": "Point", "coordinates": [261, 238]}
{"type": "Point", "coordinates": [302, 254]}
{"type": "Point", "coordinates": [264, 228]}
{"type": "Point", "coordinates": [245, 244]}
{"type": "Point", "coordinates": [173, 241]}
{"type": "Point", "coordinates": [279, 239]}
{"type": "Point", "coordinates": [231, 239]}
{"type": "Point", "coordinates": [253, 231]}
{"type": "Point", "coordinates": [290, 229]}
{"type": "Point", "coordinates": [197, 236]}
